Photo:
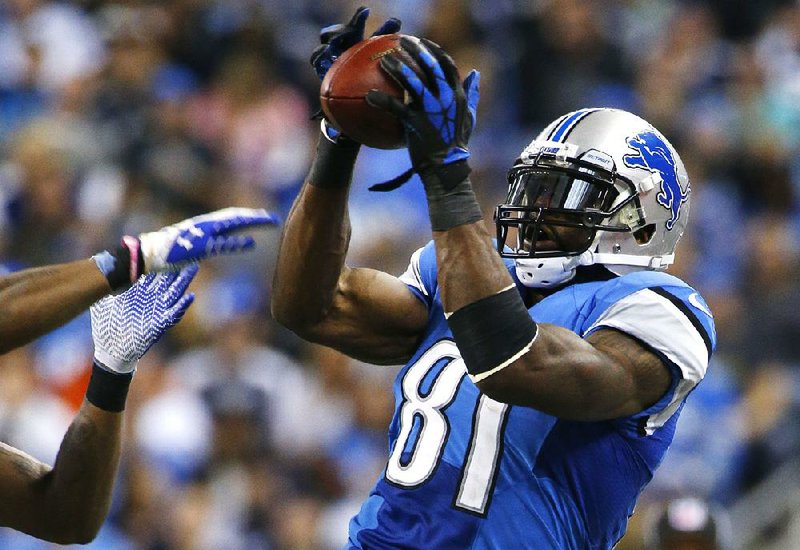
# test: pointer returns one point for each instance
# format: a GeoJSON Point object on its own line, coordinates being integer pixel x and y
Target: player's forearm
{"type": "Point", "coordinates": [468, 266]}
{"type": "Point", "coordinates": [69, 503]}
{"type": "Point", "coordinates": [314, 242]}
{"type": "Point", "coordinates": [546, 377]}
{"type": "Point", "coordinates": [549, 376]}
{"type": "Point", "coordinates": [311, 257]}
{"type": "Point", "coordinates": [489, 321]}
{"type": "Point", "coordinates": [35, 301]}
{"type": "Point", "coordinates": [75, 495]}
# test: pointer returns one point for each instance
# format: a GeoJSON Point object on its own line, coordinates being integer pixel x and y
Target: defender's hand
{"type": "Point", "coordinates": [178, 245]}
{"type": "Point", "coordinates": [440, 115]}
{"type": "Point", "coordinates": [125, 326]}
{"type": "Point", "coordinates": [200, 237]}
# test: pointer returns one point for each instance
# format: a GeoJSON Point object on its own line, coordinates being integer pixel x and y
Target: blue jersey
{"type": "Point", "coordinates": [468, 472]}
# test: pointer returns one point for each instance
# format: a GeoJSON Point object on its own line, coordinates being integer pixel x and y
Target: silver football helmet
{"type": "Point", "coordinates": [609, 176]}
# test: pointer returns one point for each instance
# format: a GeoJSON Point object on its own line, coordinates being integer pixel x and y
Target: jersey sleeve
{"type": "Point", "coordinates": [420, 275]}
{"type": "Point", "coordinates": [672, 320]}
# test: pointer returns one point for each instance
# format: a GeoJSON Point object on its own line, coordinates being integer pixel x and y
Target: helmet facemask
{"type": "Point", "coordinates": [596, 186]}
{"type": "Point", "coordinates": [556, 208]}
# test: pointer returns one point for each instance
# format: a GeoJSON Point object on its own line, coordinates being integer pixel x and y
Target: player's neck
{"type": "Point", "coordinates": [584, 274]}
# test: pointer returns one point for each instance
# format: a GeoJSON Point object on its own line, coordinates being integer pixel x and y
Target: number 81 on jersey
{"type": "Point", "coordinates": [424, 429]}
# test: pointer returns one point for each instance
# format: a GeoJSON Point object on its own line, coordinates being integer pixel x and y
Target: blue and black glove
{"type": "Point", "coordinates": [335, 40]}
{"type": "Point", "coordinates": [336, 154]}
{"type": "Point", "coordinates": [439, 119]}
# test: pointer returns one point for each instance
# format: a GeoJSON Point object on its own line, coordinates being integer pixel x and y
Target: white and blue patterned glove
{"type": "Point", "coordinates": [180, 244]}
{"type": "Point", "coordinates": [125, 326]}
{"type": "Point", "coordinates": [201, 237]}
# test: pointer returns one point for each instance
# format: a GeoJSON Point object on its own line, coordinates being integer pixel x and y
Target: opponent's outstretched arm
{"type": "Point", "coordinates": [362, 312]}
{"type": "Point", "coordinates": [35, 301]}
{"type": "Point", "coordinates": [68, 503]}
{"type": "Point", "coordinates": [509, 356]}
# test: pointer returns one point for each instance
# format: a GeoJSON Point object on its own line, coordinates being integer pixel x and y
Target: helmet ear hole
{"type": "Point", "coordinates": [643, 235]}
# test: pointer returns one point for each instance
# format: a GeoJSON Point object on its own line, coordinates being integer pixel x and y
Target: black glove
{"type": "Point", "coordinates": [440, 115]}
{"type": "Point", "coordinates": [335, 39]}
{"type": "Point", "coordinates": [438, 119]}
{"type": "Point", "coordinates": [336, 154]}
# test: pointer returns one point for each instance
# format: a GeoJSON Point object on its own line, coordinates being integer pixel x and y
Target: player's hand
{"type": "Point", "coordinates": [201, 237]}
{"type": "Point", "coordinates": [125, 326]}
{"type": "Point", "coordinates": [336, 39]}
{"type": "Point", "coordinates": [440, 115]}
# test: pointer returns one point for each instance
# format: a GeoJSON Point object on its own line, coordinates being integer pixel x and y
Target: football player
{"type": "Point", "coordinates": [544, 371]}
{"type": "Point", "coordinates": [68, 502]}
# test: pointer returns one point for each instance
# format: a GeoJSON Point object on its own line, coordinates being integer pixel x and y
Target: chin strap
{"type": "Point", "coordinates": [549, 272]}
{"type": "Point", "coordinates": [650, 262]}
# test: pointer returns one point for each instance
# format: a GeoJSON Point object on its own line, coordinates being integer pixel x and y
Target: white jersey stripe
{"type": "Point", "coordinates": [660, 324]}
{"type": "Point", "coordinates": [412, 276]}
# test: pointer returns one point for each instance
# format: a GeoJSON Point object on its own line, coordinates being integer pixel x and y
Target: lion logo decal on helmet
{"type": "Point", "coordinates": [653, 155]}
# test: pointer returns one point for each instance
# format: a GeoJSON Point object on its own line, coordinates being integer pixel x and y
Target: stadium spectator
{"type": "Point", "coordinates": [687, 524]}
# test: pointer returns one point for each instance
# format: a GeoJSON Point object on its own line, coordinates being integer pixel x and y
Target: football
{"type": "Point", "coordinates": [349, 79]}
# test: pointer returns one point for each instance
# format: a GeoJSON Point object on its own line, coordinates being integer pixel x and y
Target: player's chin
{"type": "Point", "coordinates": [547, 245]}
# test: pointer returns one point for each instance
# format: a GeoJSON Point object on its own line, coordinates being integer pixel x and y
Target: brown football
{"type": "Point", "coordinates": [346, 83]}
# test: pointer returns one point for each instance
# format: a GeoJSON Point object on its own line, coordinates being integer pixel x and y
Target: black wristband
{"type": "Point", "coordinates": [453, 207]}
{"type": "Point", "coordinates": [117, 265]}
{"type": "Point", "coordinates": [107, 390]}
{"type": "Point", "coordinates": [445, 177]}
{"type": "Point", "coordinates": [493, 331]}
{"type": "Point", "coordinates": [334, 163]}
{"type": "Point", "coordinates": [120, 276]}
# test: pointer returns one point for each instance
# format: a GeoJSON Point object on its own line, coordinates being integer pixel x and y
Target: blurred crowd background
{"type": "Point", "coordinates": [118, 116]}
